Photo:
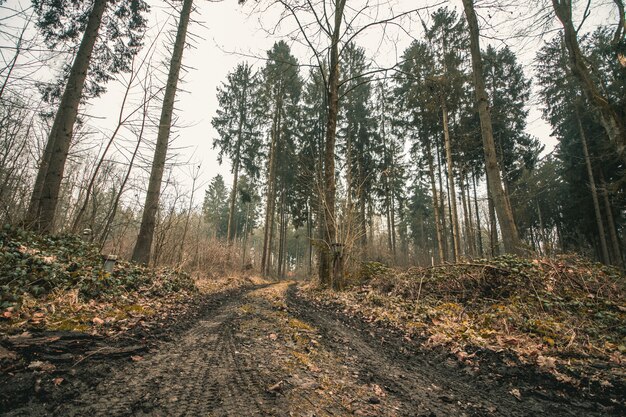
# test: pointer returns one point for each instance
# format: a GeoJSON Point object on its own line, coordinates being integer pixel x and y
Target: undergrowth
{"type": "Point", "coordinates": [61, 280]}
{"type": "Point", "coordinates": [566, 312]}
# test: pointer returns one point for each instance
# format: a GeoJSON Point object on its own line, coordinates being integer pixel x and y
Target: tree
{"type": "Point", "coordinates": [238, 125]}
{"type": "Point", "coordinates": [281, 93]}
{"type": "Point", "coordinates": [215, 207]}
{"type": "Point", "coordinates": [360, 143]}
{"type": "Point", "coordinates": [611, 114]}
{"type": "Point", "coordinates": [141, 252]}
{"type": "Point", "coordinates": [510, 236]}
{"type": "Point", "coordinates": [584, 151]}
{"type": "Point", "coordinates": [111, 51]}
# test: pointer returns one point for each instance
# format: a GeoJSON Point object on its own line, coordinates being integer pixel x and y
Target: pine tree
{"type": "Point", "coordinates": [215, 206]}
{"type": "Point", "coordinates": [238, 124]}
{"type": "Point", "coordinates": [282, 87]}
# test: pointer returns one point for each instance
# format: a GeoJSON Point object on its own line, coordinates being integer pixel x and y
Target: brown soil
{"type": "Point", "coordinates": [265, 350]}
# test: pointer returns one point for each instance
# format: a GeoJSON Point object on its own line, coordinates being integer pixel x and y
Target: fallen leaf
{"type": "Point", "coordinates": [515, 392]}
{"type": "Point", "coordinates": [546, 362]}
{"type": "Point", "coordinates": [136, 358]}
{"type": "Point", "coordinates": [41, 366]}
{"type": "Point", "coordinates": [277, 387]}
{"type": "Point", "coordinates": [57, 381]}
{"type": "Point", "coordinates": [606, 384]}
{"type": "Point", "coordinates": [97, 321]}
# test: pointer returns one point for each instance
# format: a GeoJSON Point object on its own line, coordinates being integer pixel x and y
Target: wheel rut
{"type": "Point", "coordinates": [201, 373]}
{"type": "Point", "coordinates": [268, 351]}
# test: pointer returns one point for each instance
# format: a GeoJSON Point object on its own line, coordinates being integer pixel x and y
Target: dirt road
{"type": "Point", "coordinates": [266, 351]}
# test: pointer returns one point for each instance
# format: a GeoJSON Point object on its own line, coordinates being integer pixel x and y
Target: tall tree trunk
{"type": "Point", "coordinates": [362, 214]}
{"type": "Point", "coordinates": [438, 227]}
{"type": "Point", "coordinates": [493, 229]}
{"type": "Point", "coordinates": [246, 233]}
{"type": "Point", "coordinates": [271, 194]}
{"type": "Point", "coordinates": [615, 247]}
{"type": "Point", "coordinates": [442, 204]}
{"type": "Point", "coordinates": [309, 229]}
{"type": "Point", "coordinates": [452, 188]}
{"type": "Point", "coordinates": [281, 233]}
{"type": "Point", "coordinates": [469, 239]}
{"type": "Point", "coordinates": [542, 233]}
{"type": "Point", "coordinates": [510, 237]}
{"type": "Point", "coordinates": [479, 232]}
{"type": "Point", "coordinates": [594, 193]}
{"type": "Point", "coordinates": [233, 200]}
{"type": "Point", "coordinates": [143, 247]}
{"type": "Point", "coordinates": [613, 123]}
{"type": "Point", "coordinates": [393, 226]}
{"type": "Point", "coordinates": [331, 258]}
{"type": "Point", "coordinates": [45, 196]}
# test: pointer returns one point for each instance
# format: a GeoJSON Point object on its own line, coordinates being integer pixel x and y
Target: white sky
{"type": "Point", "coordinates": [228, 31]}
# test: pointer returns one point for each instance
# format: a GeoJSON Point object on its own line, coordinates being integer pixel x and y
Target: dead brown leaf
{"type": "Point", "coordinates": [516, 393]}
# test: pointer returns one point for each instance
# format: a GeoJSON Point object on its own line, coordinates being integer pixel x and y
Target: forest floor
{"type": "Point", "coordinates": [274, 349]}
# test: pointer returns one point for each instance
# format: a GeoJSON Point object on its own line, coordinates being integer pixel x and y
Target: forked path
{"type": "Point", "coordinates": [269, 352]}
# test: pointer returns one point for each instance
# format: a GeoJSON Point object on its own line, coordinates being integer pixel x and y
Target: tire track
{"type": "Point", "coordinates": [200, 374]}
{"type": "Point", "coordinates": [424, 383]}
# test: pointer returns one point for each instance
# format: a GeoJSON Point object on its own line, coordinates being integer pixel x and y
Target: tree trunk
{"type": "Point", "coordinates": [612, 122]}
{"type": "Point", "coordinates": [442, 204]}
{"type": "Point", "coordinates": [271, 194]}
{"type": "Point", "coordinates": [479, 232]}
{"type": "Point", "coordinates": [594, 192]}
{"type": "Point", "coordinates": [331, 258]}
{"type": "Point", "coordinates": [542, 233]}
{"type": "Point", "coordinates": [233, 200]}
{"type": "Point", "coordinates": [466, 218]}
{"type": "Point", "coordinates": [493, 223]}
{"type": "Point", "coordinates": [510, 237]}
{"type": "Point", "coordinates": [45, 194]}
{"type": "Point", "coordinates": [615, 247]}
{"type": "Point", "coordinates": [141, 253]}
{"type": "Point", "coordinates": [431, 170]}
{"type": "Point", "coordinates": [452, 189]}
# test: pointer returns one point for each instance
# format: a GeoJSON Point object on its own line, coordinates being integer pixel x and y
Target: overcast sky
{"type": "Point", "coordinates": [226, 33]}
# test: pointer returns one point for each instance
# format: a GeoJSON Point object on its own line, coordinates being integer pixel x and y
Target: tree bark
{"type": "Point", "coordinates": [431, 170]}
{"type": "Point", "coordinates": [45, 196]}
{"type": "Point", "coordinates": [452, 189]}
{"type": "Point", "coordinates": [615, 247]}
{"type": "Point", "coordinates": [233, 200]}
{"type": "Point", "coordinates": [442, 204]}
{"type": "Point", "coordinates": [271, 194]}
{"type": "Point", "coordinates": [143, 247]}
{"type": "Point", "coordinates": [613, 123]}
{"type": "Point", "coordinates": [510, 237]}
{"type": "Point", "coordinates": [331, 259]}
{"type": "Point", "coordinates": [479, 232]}
{"type": "Point", "coordinates": [594, 192]}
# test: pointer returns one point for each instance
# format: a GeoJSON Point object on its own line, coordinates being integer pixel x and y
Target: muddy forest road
{"type": "Point", "coordinates": [266, 351]}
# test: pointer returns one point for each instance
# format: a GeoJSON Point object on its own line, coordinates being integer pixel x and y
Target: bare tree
{"type": "Point", "coordinates": [142, 250]}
